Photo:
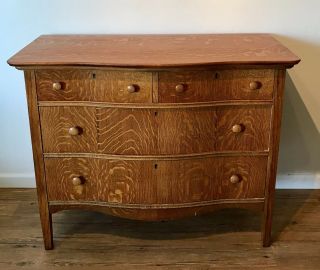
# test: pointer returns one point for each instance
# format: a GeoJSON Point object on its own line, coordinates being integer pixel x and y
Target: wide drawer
{"type": "Point", "coordinates": [184, 130]}
{"type": "Point", "coordinates": [155, 181]}
{"type": "Point", "coordinates": [212, 85]}
{"type": "Point", "coordinates": [164, 131]}
{"type": "Point", "coordinates": [94, 85]}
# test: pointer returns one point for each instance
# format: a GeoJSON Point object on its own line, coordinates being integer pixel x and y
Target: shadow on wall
{"type": "Point", "coordinates": [300, 139]}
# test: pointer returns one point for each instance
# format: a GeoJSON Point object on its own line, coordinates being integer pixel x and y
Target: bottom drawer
{"type": "Point", "coordinates": [155, 182]}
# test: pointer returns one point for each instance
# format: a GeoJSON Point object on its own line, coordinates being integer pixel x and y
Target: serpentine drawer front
{"type": "Point", "coordinates": [155, 127]}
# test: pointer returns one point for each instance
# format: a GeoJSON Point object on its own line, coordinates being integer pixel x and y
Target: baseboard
{"type": "Point", "coordinates": [17, 180]}
{"type": "Point", "coordinates": [298, 181]}
{"type": "Point", "coordinates": [284, 181]}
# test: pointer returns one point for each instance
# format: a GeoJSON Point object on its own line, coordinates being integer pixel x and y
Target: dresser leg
{"type": "Point", "coordinates": [46, 224]}
{"type": "Point", "coordinates": [266, 228]}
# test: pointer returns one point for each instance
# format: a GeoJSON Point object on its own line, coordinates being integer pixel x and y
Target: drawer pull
{"type": "Point", "coordinates": [237, 128]}
{"type": "Point", "coordinates": [74, 131]}
{"type": "Point", "coordinates": [56, 86]}
{"type": "Point", "coordinates": [255, 85]}
{"type": "Point", "coordinates": [234, 179]}
{"type": "Point", "coordinates": [77, 181]}
{"type": "Point", "coordinates": [131, 88]}
{"type": "Point", "coordinates": [180, 88]}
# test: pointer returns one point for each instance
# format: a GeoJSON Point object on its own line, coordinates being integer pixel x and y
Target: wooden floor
{"type": "Point", "coordinates": [228, 239]}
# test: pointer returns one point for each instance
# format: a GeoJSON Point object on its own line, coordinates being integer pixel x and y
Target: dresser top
{"type": "Point", "coordinates": [154, 51]}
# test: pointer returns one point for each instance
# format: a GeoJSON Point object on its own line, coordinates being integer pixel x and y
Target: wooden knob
{"type": "Point", "coordinates": [56, 86]}
{"type": "Point", "coordinates": [76, 181]}
{"type": "Point", "coordinates": [180, 88]}
{"type": "Point", "coordinates": [234, 179]}
{"type": "Point", "coordinates": [131, 88]}
{"type": "Point", "coordinates": [73, 131]}
{"type": "Point", "coordinates": [255, 85]}
{"type": "Point", "coordinates": [237, 128]}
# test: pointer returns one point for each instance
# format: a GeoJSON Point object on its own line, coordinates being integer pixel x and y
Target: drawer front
{"type": "Point", "coordinates": [68, 129]}
{"type": "Point", "coordinates": [223, 85]}
{"type": "Point", "coordinates": [99, 86]}
{"type": "Point", "coordinates": [183, 131]}
{"type": "Point", "coordinates": [123, 86]}
{"type": "Point", "coordinates": [155, 182]}
{"type": "Point", "coordinates": [64, 85]}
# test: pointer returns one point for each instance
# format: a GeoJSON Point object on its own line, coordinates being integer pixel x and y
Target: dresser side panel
{"type": "Point", "coordinates": [36, 139]}
{"type": "Point", "coordinates": [273, 156]}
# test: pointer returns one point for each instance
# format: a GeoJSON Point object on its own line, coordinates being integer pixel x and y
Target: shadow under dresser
{"type": "Point", "coordinates": [155, 127]}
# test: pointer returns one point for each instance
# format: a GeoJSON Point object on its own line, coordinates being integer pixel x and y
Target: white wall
{"type": "Point", "coordinates": [294, 22]}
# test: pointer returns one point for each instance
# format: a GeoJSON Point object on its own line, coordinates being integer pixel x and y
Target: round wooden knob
{"type": "Point", "coordinates": [56, 86]}
{"type": "Point", "coordinates": [255, 85]}
{"type": "Point", "coordinates": [73, 131]}
{"type": "Point", "coordinates": [131, 88]}
{"type": "Point", "coordinates": [180, 88]}
{"type": "Point", "coordinates": [76, 181]}
{"type": "Point", "coordinates": [237, 128]}
{"type": "Point", "coordinates": [234, 179]}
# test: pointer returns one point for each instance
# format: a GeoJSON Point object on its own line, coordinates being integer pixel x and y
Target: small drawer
{"type": "Point", "coordinates": [155, 182]}
{"type": "Point", "coordinates": [94, 85]}
{"type": "Point", "coordinates": [213, 85]}
{"type": "Point", "coordinates": [64, 85]}
{"type": "Point", "coordinates": [123, 86]}
{"type": "Point", "coordinates": [68, 129]}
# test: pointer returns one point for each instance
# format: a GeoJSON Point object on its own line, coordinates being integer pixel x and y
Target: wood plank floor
{"type": "Point", "coordinates": [227, 239]}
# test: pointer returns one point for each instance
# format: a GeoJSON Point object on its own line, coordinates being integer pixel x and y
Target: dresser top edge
{"type": "Point", "coordinates": [154, 51]}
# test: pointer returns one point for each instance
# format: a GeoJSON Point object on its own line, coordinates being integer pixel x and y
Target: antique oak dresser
{"type": "Point", "coordinates": [155, 127]}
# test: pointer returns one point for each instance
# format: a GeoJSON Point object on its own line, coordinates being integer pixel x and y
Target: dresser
{"type": "Point", "coordinates": [155, 127]}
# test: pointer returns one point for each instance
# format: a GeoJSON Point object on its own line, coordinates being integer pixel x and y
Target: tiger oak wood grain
{"type": "Point", "coordinates": [215, 85]}
{"type": "Point", "coordinates": [155, 127]}
{"type": "Point", "coordinates": [255, 122]}
{"type": "Point", "coordinates": [273, 158]}
{"type": "Point", "coordinates": [35, 130]}
{"type": "Point", "coordinates": [94, 85]}
{"type": "Point", "coordinates": [111, 86]}
{"type": "Point", "coordinates": [154, 50]}
{"type": "Point", "coordinates": [145, 182]}
{"type": "Point", "coordinates": [182, 131]}
{"type": "Point", "coordinates": [55, 125]}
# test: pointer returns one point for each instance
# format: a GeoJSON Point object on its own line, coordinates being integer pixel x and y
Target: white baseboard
{"type": "Point", "coordinates": [284, 181]}
{"type": "Point", "coordinates": [17, 180]}
{"type": "Point", "coordinates": [298, 181]}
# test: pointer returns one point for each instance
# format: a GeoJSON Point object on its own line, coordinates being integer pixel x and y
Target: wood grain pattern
{"type": "Point", "coordinates": [154, 50]}
{"type": "Point", "coordinates": [182, 131]}
{"type": "Point", "coordinates": [94, 85]}
{"type": "Point", "coordinates": [45, 215]}
{"type": "Point", "coordinates": [76, 85]}
{"type": "Point", "coordinates": [147, 182]}
{"type": "Point", "coordinates": [111, 86]}
{"type": "Point", "coordinates": [162, 126]}
{"type": "Point", "coordinates": [215, 85]}
{"type": "Point", "coordinates": [158, 214]}
{"type": "Point", "coordinates": [273, 158]}
{"type": "Point", "coordinates": [256, 124]}
{"type": "Point", "coordinates": [55, 124]}
{"type": "Point", "coordinates": [127, 131]}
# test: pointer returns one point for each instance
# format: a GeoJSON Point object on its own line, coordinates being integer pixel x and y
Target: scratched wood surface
{"type": "Point", "coordinates": [182, 131]}
{"type": "Point", "coordinates": [154, 50]}
{"type": "Point", "coordinates": [55, 125]}
{"type": "Point", "coordinates": [155, 182]}
{"type": "Point", "coordinates": [227, 239]}
{"type": "Point", "coordinates": [215, 85]}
